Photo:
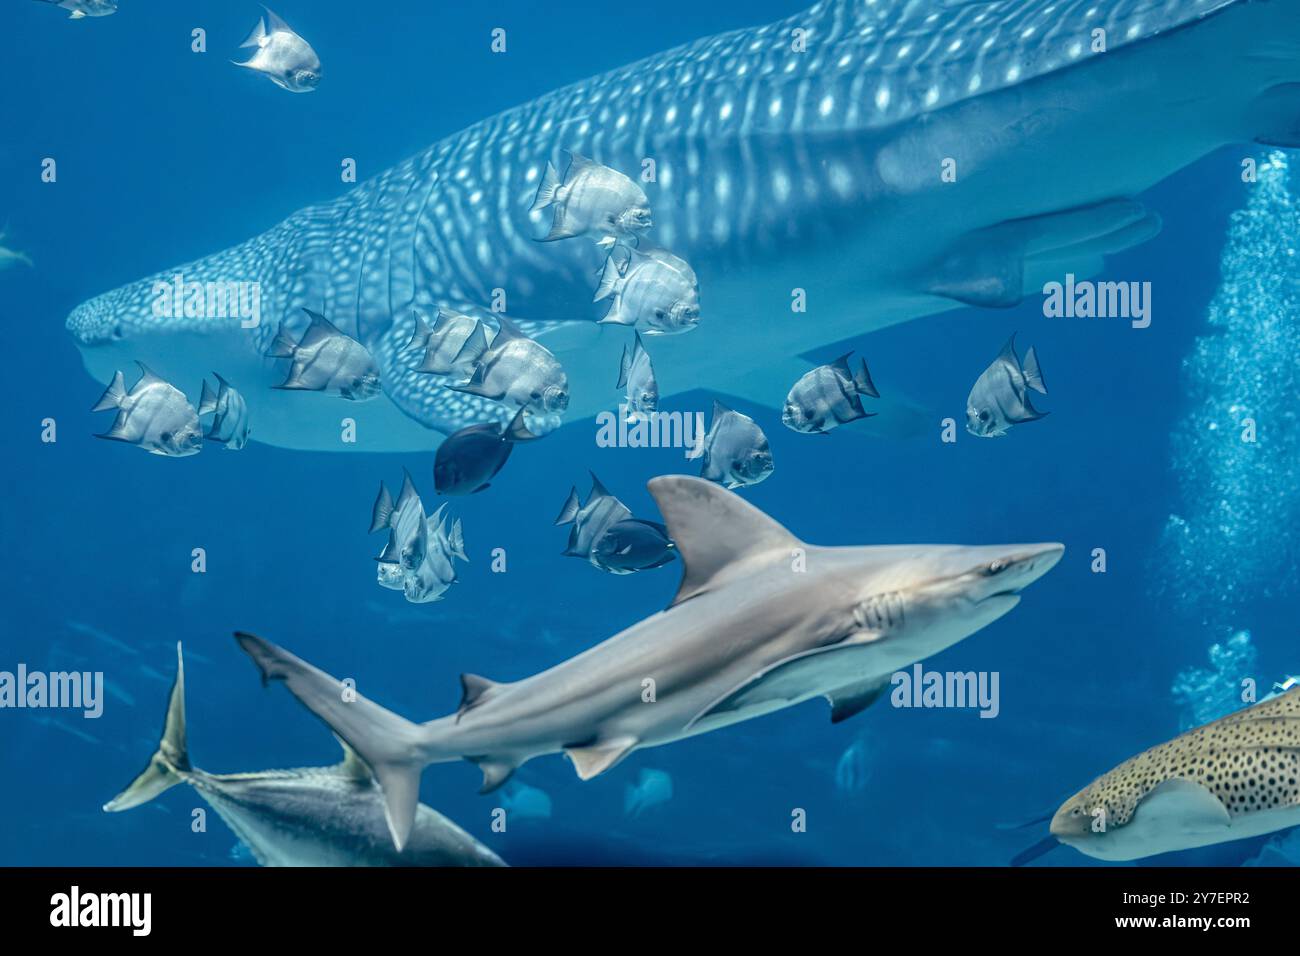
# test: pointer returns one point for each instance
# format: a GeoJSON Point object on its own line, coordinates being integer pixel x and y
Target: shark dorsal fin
{"type": "Point", "coordinates": [352, 767]}
{"type": "Point", "coordinates": [717, 532]}
{"type": "Point", "coordinates": [473, 688]}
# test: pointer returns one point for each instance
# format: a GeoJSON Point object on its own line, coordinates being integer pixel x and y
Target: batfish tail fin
{"type": "Point", "coordinates": [546, 191]}
{"type": "Point", "coordinates": [170, 760]}
{"type": "Point", "coordinates": [395, 749]}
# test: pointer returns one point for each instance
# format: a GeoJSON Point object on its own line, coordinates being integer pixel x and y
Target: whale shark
{"type": "Point", "coordinates": [313, 816]}
{"type": "Point", "coordinates": [1233, 778]}
{"type": "Point", "coordinates": [875, 160]}
{"type": "Point", "coordinates": [761, 622]}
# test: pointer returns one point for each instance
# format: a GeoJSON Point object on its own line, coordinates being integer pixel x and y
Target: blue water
{"type": "Point", "coordinates": [166, 155]}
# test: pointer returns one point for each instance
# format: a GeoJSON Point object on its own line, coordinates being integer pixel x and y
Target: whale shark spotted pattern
{"type": "Point", "coordinates": [760, 151]}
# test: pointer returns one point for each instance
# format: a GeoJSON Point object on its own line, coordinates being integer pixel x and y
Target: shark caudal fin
{"type": "Point", "coordinates": [170, 760]}
{"type": "Point", "coordinates": [390, 745]}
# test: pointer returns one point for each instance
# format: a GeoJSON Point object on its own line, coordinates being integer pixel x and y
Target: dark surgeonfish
{"type": "Point", "coordinates": [313, 816]}
{"type": "Point", "coordinates": [633, 544]}
{"type": "Point", "coordinates": [229, 414]}
{"type": "Point", "coordinates": [828, 396]}
{"type": "Point", "coordinates": [592, 200]}
{"type": "Point", "coordinates": [154, 415]}
{"type": "Point", "coordinates": [1000, 397]}
{"type": "Point", "coordinates": [517, 370]}
{"type": "Point", "coordinates": [605, 534]}
{"type": "Point", "coordinates": [327, 360]}
{"type": "Point", "coordinates": [469, 459]}
{"type": "Point", "coordinates": [282, 56]}
{"type": "Point", "coordinates": [735, 450]}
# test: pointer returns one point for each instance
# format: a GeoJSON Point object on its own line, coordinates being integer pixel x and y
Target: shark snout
{"type": "Point", "coordinates": [1027, 563]}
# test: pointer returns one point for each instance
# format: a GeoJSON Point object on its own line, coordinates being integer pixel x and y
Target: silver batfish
{"type": "Point", "coordinates": [327, 360]}
{"type": "Point", "coordinates": [828, 396]}
{"type": "Point", "coordinates": [735, 450]}
{"type": "Point", "coordinates": [282, 56]}
{"type": "Point", "coordinates": [154, 415]}
{"type": "Point", "coordinates": [592, 200]}
{"type": "Point", "coordinates": [1000, 396]}
{"type": "Point", "coordinates": [518, 370]}
{"type": "Point", "coordinates": [229, 412]}
{"type": "Point", "coordinates": [651, 289]}
{"type": "Point", "coordinates": [636, 375]}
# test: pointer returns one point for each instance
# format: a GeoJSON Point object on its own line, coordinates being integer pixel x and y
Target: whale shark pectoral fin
{"type": "Point", "coordinates": [855, 698]}
{"type": "Point", "coordinates": [716, 531]}
{"type": "Point", "coordinates": [796, 678]}
{"type": "Point", "coordinates": [988, 267]}
{"type": "Point", "coordinates": [1183, 805]}
{"type": "Point", "coordinates": [599, 757]}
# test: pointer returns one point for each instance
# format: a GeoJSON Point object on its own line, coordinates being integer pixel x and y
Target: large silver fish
{"type": "Point", "coordinates": [890, 159]}
{"type": "Point", "coordinates": [762, 621]}
{"type": "Point", "coordinates": [314, 816]}
{"type": "Point", "coordinates": [282, 56]}
{"type": "Point", "coordinates": [154, 415]}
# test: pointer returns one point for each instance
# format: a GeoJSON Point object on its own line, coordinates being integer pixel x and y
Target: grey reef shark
{"type": "Point", "coordinates": [890, 158]}
{"type": "Point", "coordinates": [761, 621]}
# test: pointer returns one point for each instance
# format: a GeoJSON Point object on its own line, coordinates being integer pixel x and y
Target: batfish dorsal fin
{"type": "Point", "coordinates": [718, 533]}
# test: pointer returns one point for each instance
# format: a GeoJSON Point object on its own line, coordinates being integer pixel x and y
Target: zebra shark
{"type": "Point", "coordinates": [880, 160]}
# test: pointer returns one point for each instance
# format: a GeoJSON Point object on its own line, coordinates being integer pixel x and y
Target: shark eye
{"type": "Point", "coordinates": [996, 567]}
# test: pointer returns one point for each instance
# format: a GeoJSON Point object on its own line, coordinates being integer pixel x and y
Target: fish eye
{"type": "Point", "coordinates": [984, 416]}
{"type": "Point", "coordinates": [996, 567]}
{"type": "Point", "coordinates": [166, 436]}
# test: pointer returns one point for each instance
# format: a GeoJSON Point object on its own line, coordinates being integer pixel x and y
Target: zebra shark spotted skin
{"type": "Point", "coordinates": [805, 154]}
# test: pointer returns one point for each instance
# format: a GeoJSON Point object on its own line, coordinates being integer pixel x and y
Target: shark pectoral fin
{"type": "Point", "coordinates": [719, 534]}
{"type": "Point", "coordinates": [794, 678]}
{"type": "Point", "coordinates": [1274, 117]}
{"type": "Point", "coordinates": [855, 698]}
{"type": "Point", "coordinates": [596, 759]}
{"type": "Point", "coordinates": [1185, 806]}
{"type": "Point", "coordinates": [1029, 854]}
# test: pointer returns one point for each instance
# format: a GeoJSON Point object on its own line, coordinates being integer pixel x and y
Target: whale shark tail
{"type": "Point", "coordinates": [394, 748]}
{"type": "Point", "coordinates": [170, 761]}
